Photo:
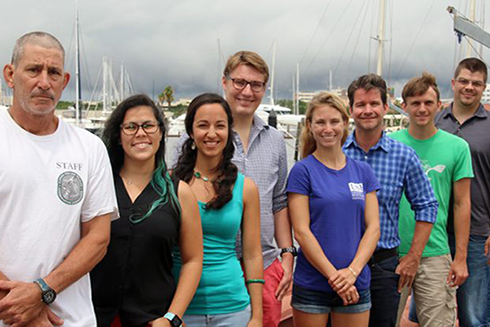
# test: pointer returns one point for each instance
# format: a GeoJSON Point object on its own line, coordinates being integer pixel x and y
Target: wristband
{"type": "Point", "coordinates": [352, 271]}
{"type": "Point", "coordinates": [250, 281]}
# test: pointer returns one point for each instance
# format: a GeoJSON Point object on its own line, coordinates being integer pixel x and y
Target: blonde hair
{"type": "Point", "coordinates": [248, 58]}
{"type": "Point", "coordinates": [308, 143]}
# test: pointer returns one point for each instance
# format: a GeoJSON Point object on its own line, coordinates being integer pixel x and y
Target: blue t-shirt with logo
{"type": "Point", "coordinates": [337, 200]}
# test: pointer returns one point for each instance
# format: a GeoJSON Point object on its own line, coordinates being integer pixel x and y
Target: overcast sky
{"type": "Point", "coordinates": [164, 42]}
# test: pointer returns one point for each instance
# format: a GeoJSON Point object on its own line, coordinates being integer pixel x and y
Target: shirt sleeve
{"type": "Point", "coordinates": [463, 167]}
{"type": "Point", "coordinates": [299, 180]}
{"type": "Point", "coordinates": [100, 194]}
{"type": "Point", "coordinates": [371, 181]}
{"type": "Point", "coordinates": [419, 192]}
{"type": "Point", "coordinates": [280, 200]}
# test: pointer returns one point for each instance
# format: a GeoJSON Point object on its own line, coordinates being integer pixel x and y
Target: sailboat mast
{"type": "Point", "coordinates": [78, 93]}
{"type": "Point", "coordinates": [273, 71]}
{"type": "Point", "coordinates": [381, 36]}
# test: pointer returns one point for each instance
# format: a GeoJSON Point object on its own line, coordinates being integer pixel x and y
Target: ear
{"type": "Point", "coordinates": [452, 83]}
{"type": "Point", "coordinates": [404, 106]}
{"type": "Point", "coordinates": [66, 79]}
{"type": "Point", "coordinates": [223, 82]}
{"type": "Point", "coordinates": [8, 75]}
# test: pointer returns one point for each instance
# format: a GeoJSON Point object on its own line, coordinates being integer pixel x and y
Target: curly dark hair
{"type": "Point", "coordinates": [161, 181]}
{"type": "Point", "coordinates": [226, 170]}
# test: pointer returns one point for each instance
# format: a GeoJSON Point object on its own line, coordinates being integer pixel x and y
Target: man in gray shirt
{"type": "Point", "coordinates": [467, 118]}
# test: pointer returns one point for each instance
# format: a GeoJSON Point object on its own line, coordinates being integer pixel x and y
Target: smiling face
{"type": "Point", "coordinates": [37, 80]}
{"type": "Point", "coordinates": [327, 127]}
{"type": "Point", "coordinates": [368, 110]}
{"type": "Point", "coordinates": [466, 93]}
{"type": "Point", "coordinates": [210, 130]}
{"type": "Point", "coordinates": [243, 102]}
{"type": "Point", "coordinates": [422, 108]}
{"type": "Point", "coordinates": [140, 146]}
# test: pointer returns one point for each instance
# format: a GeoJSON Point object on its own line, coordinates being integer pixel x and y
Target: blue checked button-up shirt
{"type": "Point", "coordinates": [398, 169]}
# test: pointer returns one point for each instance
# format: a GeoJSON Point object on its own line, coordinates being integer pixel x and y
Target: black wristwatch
{"type": "Point", "coordinates": [291, 249]}
{"type": "Point", "coordinates": [48, 295]}
{"type": "Point", "coordinates": [175, 321]}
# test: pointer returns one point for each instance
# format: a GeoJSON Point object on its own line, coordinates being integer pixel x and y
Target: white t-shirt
{"type": "Point", "coordinates": [49, 185]}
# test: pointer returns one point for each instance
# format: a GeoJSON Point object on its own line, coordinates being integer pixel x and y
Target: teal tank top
{"type": "Point", "coordinates": [222, 287]}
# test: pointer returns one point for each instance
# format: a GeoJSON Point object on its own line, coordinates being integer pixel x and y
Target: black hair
{"type": "Point", "coordinates": [226, 170]}
{"type": "Point", "coordinates": [161, 181]}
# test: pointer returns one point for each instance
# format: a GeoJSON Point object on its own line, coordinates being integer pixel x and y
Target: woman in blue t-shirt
{"type": "Point", "coordinates": [334, 211]}
{"type": "Point", "coordinates": [228, 203]}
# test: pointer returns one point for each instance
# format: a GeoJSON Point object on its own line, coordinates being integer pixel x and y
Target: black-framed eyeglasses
{"type": "Point", "coordinates": [240, 84]}
{"type": "Point", "coordinates": [133, 128]}
{"type": "Point", "coordinates": [465, 82]}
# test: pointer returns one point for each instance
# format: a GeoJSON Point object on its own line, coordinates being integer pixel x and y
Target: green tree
{"type": "Point", "coordinates": [169, 95]}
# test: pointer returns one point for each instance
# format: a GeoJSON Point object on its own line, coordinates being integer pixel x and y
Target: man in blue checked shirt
{"type": "Point", "coordinates": [398, 170]}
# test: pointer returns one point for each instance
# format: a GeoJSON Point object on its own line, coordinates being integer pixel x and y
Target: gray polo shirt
{"type": "Point", "coordinates": [475, 131]}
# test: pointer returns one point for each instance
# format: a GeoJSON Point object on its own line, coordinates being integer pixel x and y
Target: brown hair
{"type": "Point", "coordinates": [419, 85]}
{"type": "Point", "coordinates": [248, 58]}
{"type": "Point", "coordinates": [368, 82]}
{"type": "Point", "coordinates": [308, 143]}
{"type": "Point", "coordinates": [473, 65]}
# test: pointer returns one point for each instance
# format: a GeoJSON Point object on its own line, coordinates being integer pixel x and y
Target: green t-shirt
{"type": "Point", "coordinates": [446, 159]}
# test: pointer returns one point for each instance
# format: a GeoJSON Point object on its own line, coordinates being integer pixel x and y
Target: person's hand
{"type": "Point", "coordinates": [458, 273]}
{"type": "Point", "coordinates": [22, 304]}
{"type": "Point", "coordinates": [487, 250]}
{"type": "Point", "coordinates": [255, 323]}
{"type": "Point", "coordinates": [350, 296]}
{"type": "Point", "coordinates": [287, 266]}
{"type": "Point", "coordinates": [342, 280]}
{"type": "Point", "coordinates": [407, 269]}
{"type": "Point", "coordinates": [45, 319]}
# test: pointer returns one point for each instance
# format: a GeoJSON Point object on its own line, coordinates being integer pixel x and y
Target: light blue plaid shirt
{"type": "Point", "coordinates": [398, 169]}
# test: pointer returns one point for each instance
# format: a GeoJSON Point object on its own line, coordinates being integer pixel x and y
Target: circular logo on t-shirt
{"type": "Point", "coordinates": [70, 188]}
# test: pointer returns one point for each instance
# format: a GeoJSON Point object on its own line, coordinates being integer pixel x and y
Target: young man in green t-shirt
{"type": "Point", "coordinates": [447, 162]}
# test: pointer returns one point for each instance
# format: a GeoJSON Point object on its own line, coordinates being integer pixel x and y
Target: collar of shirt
{"type": "Point", "coordinates": [382, 143]}
{"type": "Point", "coordinates": [481, 112]}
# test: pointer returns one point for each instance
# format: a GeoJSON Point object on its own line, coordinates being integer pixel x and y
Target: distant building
{"type": "Point", "coordinates": [486, 95]}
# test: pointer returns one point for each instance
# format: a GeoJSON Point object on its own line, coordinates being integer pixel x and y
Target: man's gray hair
{"type": "Point", "coordinates": [38, 38]}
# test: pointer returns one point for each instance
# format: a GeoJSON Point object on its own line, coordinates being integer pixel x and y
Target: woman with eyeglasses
{"type": "Point", "coordinates": [229, 203]}
{"type": "Point", "coordinates": [133, 286]}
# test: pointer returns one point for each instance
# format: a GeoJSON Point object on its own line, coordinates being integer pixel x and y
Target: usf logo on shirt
{"type": "Point", "coordinates": [357, 191]}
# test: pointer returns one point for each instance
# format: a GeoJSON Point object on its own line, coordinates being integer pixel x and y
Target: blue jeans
{"type": "Point", "coordinates": [472, 296]}
{"type": "Point", "coordinates": [384, 293]}
{"type": "Point", "coordinates": [234, 319]}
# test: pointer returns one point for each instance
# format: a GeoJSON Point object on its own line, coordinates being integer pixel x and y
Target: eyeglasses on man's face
{"type": "Point", "coordinates": [465, 82]}
{"type": "Point", "coordinates": [240, 84]}
{"type": "Point", "coordinates": [132, 128]}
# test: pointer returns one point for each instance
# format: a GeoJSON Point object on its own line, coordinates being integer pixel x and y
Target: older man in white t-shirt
{"type": "Point", "coordinates": [56, 196]}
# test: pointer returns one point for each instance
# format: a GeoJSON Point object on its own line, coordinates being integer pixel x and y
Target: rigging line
{"type": "Point", "coordinates": [328, 36]}
{"type": "Point", "coordinates": [370, 40]}
{"type": "Point", "coordinates": [358, 35]}
{"type": "Point", "coordinates": [84, 58]}
{"type": "Point", "coordinates": [474, 49]}
{"type": "Point", "coordinates": [390, 3]}
{"type": "Point", "coordinates": [348, 40]}
{"type": "Point", "coordinates": [316, 31]}
{"type": "Point", "coordinates": [415, 39]}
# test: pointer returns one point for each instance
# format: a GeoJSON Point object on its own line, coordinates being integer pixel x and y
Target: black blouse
{"type": "Point", "coordinates": [135, 277]}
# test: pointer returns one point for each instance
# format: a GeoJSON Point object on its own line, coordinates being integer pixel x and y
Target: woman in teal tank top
{"type": "Point", "coordinates": [228, 203]}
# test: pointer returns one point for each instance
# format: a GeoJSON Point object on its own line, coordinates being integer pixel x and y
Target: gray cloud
{"type": "Point", "coordinates": [176, 42]}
